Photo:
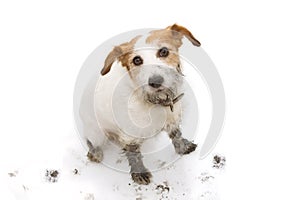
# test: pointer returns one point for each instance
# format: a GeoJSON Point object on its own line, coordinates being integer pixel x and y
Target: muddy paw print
{"type": "Point", "coordinates": [51, 176]}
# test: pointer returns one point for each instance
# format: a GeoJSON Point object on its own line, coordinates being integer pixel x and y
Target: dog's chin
{"type": "Point", "coordinates": [161, 96]}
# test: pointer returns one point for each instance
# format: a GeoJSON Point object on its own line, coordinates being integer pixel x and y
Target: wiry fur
{"type": "Point", "coordinates": [124, 106]}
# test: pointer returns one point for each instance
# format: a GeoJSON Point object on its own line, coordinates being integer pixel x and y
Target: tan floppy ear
{"type": "Point", "coordinates": [117, 53]}
{"type": "Point", "coordinates": [110, 59]}
{"type": "Point", "coordinates": [184, 31]}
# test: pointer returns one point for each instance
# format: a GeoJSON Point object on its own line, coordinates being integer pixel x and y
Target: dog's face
{"type": "Point", "coordinates": [156, 69]}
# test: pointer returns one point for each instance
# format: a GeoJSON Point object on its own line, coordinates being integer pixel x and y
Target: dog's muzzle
{"type": "Point", "coordinates": [165, 97]}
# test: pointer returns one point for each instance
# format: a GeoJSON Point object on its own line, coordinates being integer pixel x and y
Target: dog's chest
{"type": "Point", "coordinates": [147, 119]}
{"type": "Point", "coordinates": [122, 110]}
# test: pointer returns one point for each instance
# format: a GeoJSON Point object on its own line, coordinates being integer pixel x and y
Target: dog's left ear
{"type": "Point", "coordinates": [184, 31]}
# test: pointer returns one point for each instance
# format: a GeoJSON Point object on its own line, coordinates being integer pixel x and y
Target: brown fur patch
{"type": "Point", "coordinates": [166, 38]}
{"type": "Point", "coordinates": [172, 59]}
{"type": "Point", "coordinates": [184, 31]}
{"type": "Point", "coordinates": [122, 53]}
{"type": "Point", "coordinates": [127, 50]}
{"type": "Point", "coordinates": [171, 37]}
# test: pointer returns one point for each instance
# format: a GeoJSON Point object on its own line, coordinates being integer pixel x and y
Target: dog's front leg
{"type": "Point", "coordinates": [95, 154]}
{"type": "Point", "coordinates": [139, 173]}
{"type": "Point", "coordinates": [182, 146]}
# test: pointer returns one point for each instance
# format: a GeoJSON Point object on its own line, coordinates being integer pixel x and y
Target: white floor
{"type": "Point", "coordinates": [187, 178]}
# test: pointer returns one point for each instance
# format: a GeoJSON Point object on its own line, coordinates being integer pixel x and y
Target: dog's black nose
{"type": "Point", "coordinates": [155, 81]}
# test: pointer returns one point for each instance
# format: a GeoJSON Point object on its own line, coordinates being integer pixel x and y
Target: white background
{"type": "Point", "coordinates": [254, 44]}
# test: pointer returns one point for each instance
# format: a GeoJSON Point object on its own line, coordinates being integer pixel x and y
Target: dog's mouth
{"type": "Point", "coordinates": [165, 97]}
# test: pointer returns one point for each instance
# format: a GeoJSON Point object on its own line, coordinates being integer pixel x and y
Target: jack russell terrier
{"type": "Point", "coordinates": [135, 83]}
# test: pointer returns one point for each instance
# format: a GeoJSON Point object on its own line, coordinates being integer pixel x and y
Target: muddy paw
{"type": "Point", "coordinates": [190, 148]}
{"type": "Point", "coordinates": [183, 146]}
{"type": "Point", "coordinates": [143, 178]}
{"type": "Point", "coordinates": [95, 155]}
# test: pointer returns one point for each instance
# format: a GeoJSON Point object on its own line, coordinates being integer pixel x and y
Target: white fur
{"type": "Point", "coordinates": [119, 104]}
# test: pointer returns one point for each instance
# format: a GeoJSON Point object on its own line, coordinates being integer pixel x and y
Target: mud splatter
{"type": "Point", "coordinates": [163, 190]}
{"type": "Point", "coordinates": [76, 171]}
{"type": "Point", "coordinates": [51, 176]}
{"type": "Point", "coordinates": [219, 162]}
{"type": "Point", "coordinates": [205, 177]}
{"type": "Point", "coordinates": [13, 174]}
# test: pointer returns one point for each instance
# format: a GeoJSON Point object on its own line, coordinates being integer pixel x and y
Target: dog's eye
{"type": "Point", "coordinates": [137, 60]}
{"type": "Point", "coordinates": [163, 52]}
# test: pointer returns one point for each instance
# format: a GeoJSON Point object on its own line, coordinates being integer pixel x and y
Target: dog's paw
{"type": "Point", "coordinates": [143, 178]}
{"type": "Point", "coordinates": [190, 148]}
{"type": "Point", "coordinates": [183, 146]}
{"type": "Point", "coordinates": [95, 155]}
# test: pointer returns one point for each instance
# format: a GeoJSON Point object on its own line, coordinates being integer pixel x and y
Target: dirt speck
{"type": "Point", "coordinates": [87, 196]}
{"type": "Point", "coordinates": [138, 190]}
{"type": "Point", "coordinates": [13, 174]}
{"type": "Point", "coordinates": [219, 162]}
{"type": "Point", "coordinates": [162, 190]}
{"type": "Point", "coordinates": [161, 164]}
{"type": "Point", "coordinates": [75, 172]}
{"type": "Point", "coordinates": [171, 167]}
{"type": "Point", "coordinates": [205, 177]}
{"type": "Point", "coordinates": [208, 195]}
{"type": "Point", "coordinates": [52, 175]}
{"type": "Point", "coordinates": [25, 188]}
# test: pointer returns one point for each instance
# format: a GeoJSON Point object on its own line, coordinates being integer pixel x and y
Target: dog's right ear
{"type": "Point", "coordinates": [110, 59]}
{"type": "Point", "coordinates": [118, 52]}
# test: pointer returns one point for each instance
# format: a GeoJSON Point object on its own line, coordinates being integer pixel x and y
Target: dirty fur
{"type": "Point", "coordinates": [137, 97]}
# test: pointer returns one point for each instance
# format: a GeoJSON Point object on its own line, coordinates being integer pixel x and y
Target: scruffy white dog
{"type": "Point", "coordinates": [138, 96]}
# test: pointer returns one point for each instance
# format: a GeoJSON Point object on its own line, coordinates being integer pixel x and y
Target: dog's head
{"type": "Point", "coordinates": [153, 62]}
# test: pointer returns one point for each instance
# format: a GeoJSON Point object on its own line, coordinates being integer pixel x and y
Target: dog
{"type": "Point", "coordinates": [138, 95]}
